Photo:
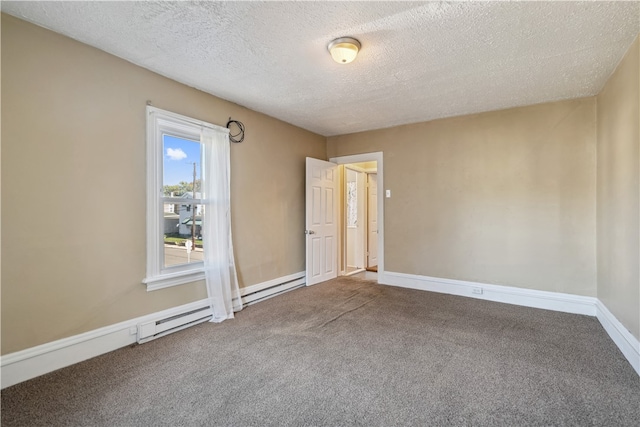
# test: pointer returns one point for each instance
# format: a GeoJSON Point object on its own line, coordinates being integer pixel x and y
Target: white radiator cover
{"type": "Point", "coordinates": [155, 329]}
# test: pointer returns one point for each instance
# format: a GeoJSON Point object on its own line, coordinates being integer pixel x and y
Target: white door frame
{"type": "Point", "coordinates": [372, 157]}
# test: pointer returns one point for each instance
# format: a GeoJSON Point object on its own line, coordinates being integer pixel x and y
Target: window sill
{"type": "Point", "coordinates": [173, 279]}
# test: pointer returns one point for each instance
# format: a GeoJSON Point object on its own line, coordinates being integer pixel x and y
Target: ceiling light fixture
{"type": "Point", "coordinates": [344, 49]}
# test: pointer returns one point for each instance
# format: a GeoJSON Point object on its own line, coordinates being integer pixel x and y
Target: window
{"type": "Point", "coordinates": [352, 204]}
{"type": "Point", "coordinates": [175, 208]}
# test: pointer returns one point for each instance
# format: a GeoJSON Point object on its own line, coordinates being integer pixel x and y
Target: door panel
{"type": "Point", "coordinates": [321, 227]}
{"type": "Point", "coordinates": [329, 255]}
{"type": "Point", "coordinates": [316, 206]}
{"type": "Point", "coordinates": [372, 220]}
{"type": "Point", "coordinates": [315, 257]}
{"type": "Point", "coordinates": [329, 206]}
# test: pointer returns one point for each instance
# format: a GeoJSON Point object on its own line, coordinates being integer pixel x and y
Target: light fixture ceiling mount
{"type": "Point", "coordinates": [344, 49]}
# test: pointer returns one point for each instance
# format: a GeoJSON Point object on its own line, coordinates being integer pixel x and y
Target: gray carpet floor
{"type": "Point", "coordinates": [350, 352]}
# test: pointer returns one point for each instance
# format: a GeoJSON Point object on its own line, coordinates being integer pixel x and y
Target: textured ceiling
{"type": "Point", "coordinates": [419, 61]}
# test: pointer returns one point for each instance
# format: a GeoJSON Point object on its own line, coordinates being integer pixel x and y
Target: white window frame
{"type": "Point", "coordinates": [159, 123]}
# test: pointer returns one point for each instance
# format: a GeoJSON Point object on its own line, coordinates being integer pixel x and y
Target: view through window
{"type": "Point", "coordinates": [181, 197]}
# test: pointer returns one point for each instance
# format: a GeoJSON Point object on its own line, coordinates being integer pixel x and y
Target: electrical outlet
{"type": "Point", "coordinates": [477, 291]}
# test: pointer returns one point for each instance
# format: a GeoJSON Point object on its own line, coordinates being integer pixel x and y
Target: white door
{"type": "Point", "coordinates": [321, 220]}
{"type": "Point", "coordinates": [372, 220]}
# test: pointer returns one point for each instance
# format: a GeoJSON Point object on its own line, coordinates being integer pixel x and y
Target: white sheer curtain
{"type": "Point", "coordinates": [219, 263]}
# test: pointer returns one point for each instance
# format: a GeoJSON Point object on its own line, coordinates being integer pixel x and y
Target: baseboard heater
{"type": "Point", "coordinates": [155, 329]}
{"type": "Point", "coordinates": [263, 291]}
{"type": "Point", "coordinates": [250, 295]}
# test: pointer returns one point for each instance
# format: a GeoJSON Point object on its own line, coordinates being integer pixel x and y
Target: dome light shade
{"type": "Point", "coordinates": [344, 49]}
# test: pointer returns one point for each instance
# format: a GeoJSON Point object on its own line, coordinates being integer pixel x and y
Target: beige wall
{"type": "Point", "coordinates": [618, 211]}
{"type": "Point", "coordinates": [73, 201]}
{"type": "Point", "coordinates": [504, 197]}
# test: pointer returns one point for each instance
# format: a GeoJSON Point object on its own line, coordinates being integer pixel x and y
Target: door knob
{"type": "Point", "coordinates": [309, 232]}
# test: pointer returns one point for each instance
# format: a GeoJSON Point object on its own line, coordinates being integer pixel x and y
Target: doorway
{"type": "Point", "coordinates": [355, 217]}
{"type": "Point", "coordinates": [372, 221]}
{"type": "Point", "coordinates": [367, 180]}
{"type": "Point", "coordinates": [360, 229]}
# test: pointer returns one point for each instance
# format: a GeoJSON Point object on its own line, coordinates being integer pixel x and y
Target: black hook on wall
{"type": "Point", "coordinates": [238, 137]}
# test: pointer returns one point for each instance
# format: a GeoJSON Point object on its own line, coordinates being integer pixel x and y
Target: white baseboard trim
{"type": "Point", "coordinates": [555, 301]}
{"type": "Point", "coordinates": [568, 303]}
{"type": "Point", "coordinates": [351, 273]}
{"type": "Point", "coordinates": [627, 343]}
{"type": "Point", "coordinates": [33, 362]}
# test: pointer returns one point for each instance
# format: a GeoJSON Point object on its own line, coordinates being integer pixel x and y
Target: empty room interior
{"type": "Point", "coordinates": [320, 213]}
